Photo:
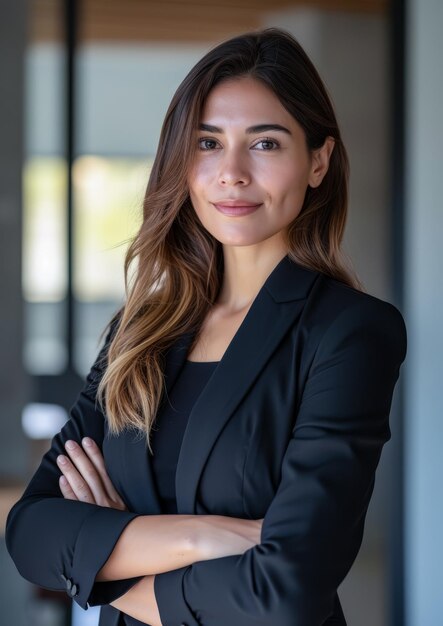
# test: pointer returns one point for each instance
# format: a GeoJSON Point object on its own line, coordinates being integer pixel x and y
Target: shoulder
{"type": "Point", "coordinates": [342, 299]}
{"type": "Point", "coordinates": [336, 311]}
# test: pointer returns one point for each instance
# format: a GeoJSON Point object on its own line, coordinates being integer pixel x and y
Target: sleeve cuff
{"type": "Point", "coordinates": [105, 592]}
{"type": "Point", "coordinates": [96, 540]}
{"type": "Point", "coordinates": [171, 603]}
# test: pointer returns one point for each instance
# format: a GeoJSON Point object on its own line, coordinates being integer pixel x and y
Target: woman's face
{"type": "Point", "coordinates": [252, 167]}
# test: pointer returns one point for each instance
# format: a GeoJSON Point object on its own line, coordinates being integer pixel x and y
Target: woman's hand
{"type": "Point", "coordinates": [84, 476]}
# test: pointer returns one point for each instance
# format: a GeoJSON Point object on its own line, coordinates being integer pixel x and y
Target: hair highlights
{"type": "Point", "coordinates": [178, 264]}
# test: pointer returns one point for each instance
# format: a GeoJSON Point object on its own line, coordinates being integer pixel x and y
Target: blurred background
{"type": "Point", "coordinates": [85, 86]}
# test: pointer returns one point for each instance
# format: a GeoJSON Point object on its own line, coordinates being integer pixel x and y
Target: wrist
{"type": "Point", "coordinates": [152, 544]}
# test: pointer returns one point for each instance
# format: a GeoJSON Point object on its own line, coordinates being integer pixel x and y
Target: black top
{"type": "Point", "coordinates": [170, 425]}
{"type": "Point", "coordinates": [167, 434]}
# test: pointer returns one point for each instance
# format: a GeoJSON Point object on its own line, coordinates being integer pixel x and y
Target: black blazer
{"type": "Point", "coordinates": [290, 427]}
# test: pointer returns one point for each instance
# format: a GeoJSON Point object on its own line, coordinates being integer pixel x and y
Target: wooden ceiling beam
{"type": "Point", "coordinates": [172, 20]}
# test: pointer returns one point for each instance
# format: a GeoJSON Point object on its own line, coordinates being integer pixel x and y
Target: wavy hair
{"type": "Point", "coordinates": [178, 264]}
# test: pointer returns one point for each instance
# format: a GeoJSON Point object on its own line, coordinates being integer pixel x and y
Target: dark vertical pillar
{"type": "Point", "coordinates": [71, 8]}
{"type": "Point", "coordinates": [63, 389]}
{"type": "Point", "coordinates": [397, 155]}
{"type": "Point", "coordinates": [14, 384]}
{"type": "Point", "coordinates": [12, 376]}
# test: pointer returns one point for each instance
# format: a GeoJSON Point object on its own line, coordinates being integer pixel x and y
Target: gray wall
{"type": "Point", "coordinates": [424, 309]}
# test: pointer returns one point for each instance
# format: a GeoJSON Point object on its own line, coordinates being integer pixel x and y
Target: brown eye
{"type": "Point", "coordinates": [207, 144]}
{"type": "Point", "coordinates": [267, 144]}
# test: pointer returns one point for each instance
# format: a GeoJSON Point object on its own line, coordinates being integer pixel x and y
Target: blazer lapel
{"type": "Point", "coordinates": [276, 307]}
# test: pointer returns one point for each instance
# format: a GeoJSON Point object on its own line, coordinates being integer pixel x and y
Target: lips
{"type": "Point", "coordinates": [236, 208]}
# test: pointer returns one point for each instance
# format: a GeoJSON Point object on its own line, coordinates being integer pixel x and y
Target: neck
{"type": "Point", "coordinates": [246, 269]}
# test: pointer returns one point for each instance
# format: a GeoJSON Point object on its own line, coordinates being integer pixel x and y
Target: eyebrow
{"type": "Point", "coordinates": [259, 128]}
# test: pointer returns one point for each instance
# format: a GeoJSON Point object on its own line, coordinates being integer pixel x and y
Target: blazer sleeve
{"type": "Point", "coordinates": [61, 544]}
{"type": "Point", "coordinates": [313, 528]}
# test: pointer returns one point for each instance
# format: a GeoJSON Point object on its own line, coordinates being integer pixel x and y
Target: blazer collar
{"type": "Point", "coordinates": [289, 281]}
{"type": "Point", "coordinates": [276, 308]}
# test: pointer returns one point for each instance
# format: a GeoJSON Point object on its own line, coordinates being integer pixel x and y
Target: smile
{"type": "Point", "coordinates": [236, 209]}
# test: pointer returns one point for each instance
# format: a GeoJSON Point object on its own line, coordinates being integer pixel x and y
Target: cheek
{"type": "Point", "coordinates": [289, 183]}
{"type": "Point", "coordinates": [199, 176]}
{"type": "Point", "coordinates": [198, 194]}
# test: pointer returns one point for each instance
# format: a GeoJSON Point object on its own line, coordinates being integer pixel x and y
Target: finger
{"type": "Point", "coordinates": [76, 481]}
{"type": "Point", "coordinates": [95, 454]}
{"type": "Point", "coordinates": [66, 488]}
{"type": "Point", "coordinates": [88, 472]}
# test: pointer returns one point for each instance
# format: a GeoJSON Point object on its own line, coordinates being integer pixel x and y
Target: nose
{"type": "Point", "coordinates": [233, 170]}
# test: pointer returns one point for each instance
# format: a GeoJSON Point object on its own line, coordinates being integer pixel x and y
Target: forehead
{"type": "Point", "coordinates": [240, 99]}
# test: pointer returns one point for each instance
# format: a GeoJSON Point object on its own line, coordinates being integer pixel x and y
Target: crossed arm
{"type": "Point", "coordinates": [172, 541]}
{"type": "Point", "coordinates": [311, 532]}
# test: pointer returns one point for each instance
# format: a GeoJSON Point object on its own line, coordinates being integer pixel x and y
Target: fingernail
{"type": "Point", "coordinates": [63, 480]}
{"type": "Point", "coordinates": [61, 459]}
{"type": "Point", "coordinates": [87, 441]}
{"type": "Point", "coordinates": [70, 445]}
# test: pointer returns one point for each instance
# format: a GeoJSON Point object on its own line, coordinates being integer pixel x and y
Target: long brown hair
{"type": "Point", "coordinates": [179, 265]}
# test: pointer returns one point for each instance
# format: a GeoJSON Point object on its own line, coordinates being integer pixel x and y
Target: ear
{"type": "Point", "coordinates": [320, 162]}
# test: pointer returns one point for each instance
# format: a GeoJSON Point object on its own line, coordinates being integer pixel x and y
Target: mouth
{"type": "Point", "coordinates": [236, 208]}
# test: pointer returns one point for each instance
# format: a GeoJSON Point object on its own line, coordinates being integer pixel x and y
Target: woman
{"type": "Point", "coordinates": [241, 399]}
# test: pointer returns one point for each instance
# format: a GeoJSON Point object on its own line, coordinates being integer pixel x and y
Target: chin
{"type": "Point", "coordinates": [238, 235]}
{"type": "Point", "coordinates": [240, 241]}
